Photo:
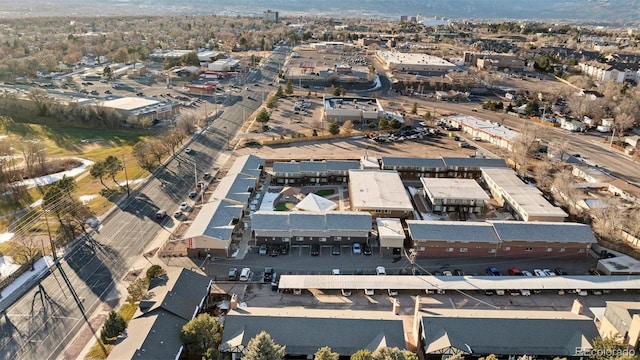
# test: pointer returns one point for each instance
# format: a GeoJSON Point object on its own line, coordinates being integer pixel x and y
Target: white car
{"type": "Point", "coordinates": [548, 272]}
{"type": "Point", "coordinates": [184, 206]}
{"type": "Point", "coordinates": [245, 274]}
{"type": "Point", "coordinates": [538, 272]}
{"type": "Point", "coordinates": [335, 272]}
{"type": "Point", "coordinates": [188, 150]}
{"type": "Point", "coordinates": [369, 292]}
{"type": "Point", "coordinates": [447, 273]}
{"type": "Point", "coordinates": [380, 270]}
{"type": "Point", "coordinates": [356, 248]}
{"type": "Point", "coordinates": [526, 273]}
{"type": "Point", "coordinates": [393, 292]}
{"type": "Point", "coordinates": [346, 292]}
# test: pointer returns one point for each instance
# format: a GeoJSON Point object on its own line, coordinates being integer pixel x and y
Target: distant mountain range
{"type": "Point", "coordinates": [621, 12]}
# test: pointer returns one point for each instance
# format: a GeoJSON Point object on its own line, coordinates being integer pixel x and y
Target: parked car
{"type": "Point", "coordinates": [392, 292]}
{"type": "Point", "coordinates": [160, 214]}
{"type": "Point", "coordinates": [548, 272]}
{"type": "Point", "coordinates": [513, 271]}
{"type": "Point", "coordinates": [366, 250]}
{"type": "Point", "coordinates": [358, 272]}
{"type": "Point", "coordinates": [380, 270]}
{"type": "Point", "coordinates": [594, 271]}
{"type": "Point", "coordinates": [263, 249]}
{"type": "Point", "coordinates": [335, 250]}
{"type": "Point", "coordinates": [369, 292]}
{"type": "Point", "coordinates": [526, 273]}
{"type": "Point", "coordinates": [538, 272]}
{"type": "Point", "coordinates": [206, 175]}
{"type": "Point", "coordinates": [268, 274]}
{"type": "Point", "coordinates": [493, 271]}
{"type": "Point", "coordinates": [192, 195]}
{"type": "Point", "coordinates": [188, 150]}
{"type": "Point", "coordinates": [178, 214]}
{"type": "Point", "coordinates": [184, 206]}
{"type": "Point", "coordinates": [356, 248]}
{"type": "Point", "coordinates": [345, 292]}
{"type": "Point", "coordinates": [447, 273]}
{"type": "Point", "coordinates": [275, 281]}
{"type": "Point", "coordinates": [458, 272]}
{"type": "Point", "coordinates": [245, 274]}
{"type": "Point", "coordinates": [525, 292]}
{"type": "Point", "coordinates": [315, 250]}
{"type": "Point", "coordinates": [233, 274]}
{"type": "Point", "coordinates": [560, 272]}
{"type": "Point", "coordinates": [335, 272]}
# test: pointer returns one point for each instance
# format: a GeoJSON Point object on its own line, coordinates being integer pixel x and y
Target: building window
{"type": "Point", "coordinates": [323, 239]}
{"type": "Point", "coordinates": [492, 251]}
{"type": "Point", "coordinates": [449, 249]}
{"type": "Point", "coordinates": [464, 249]}
{"type": "Point", "coordinates": [561, 249]}
{"type": "Point", "coordinates": [528, 249]}
{"type": "Point", "coordinates": [506, 248]}
{"type": "Point", "coordinates": [580, 250]}
{"type": "Point", "coordinates": [421, 248]}
{"type": "Point", "coordinates": [285, 239]}
{"type": "Point", "coordinates": [549, 249]}
{"type": "Point", "coordinates": [299, 238]}
{"type": "Point", "coordinates": [338, 238]}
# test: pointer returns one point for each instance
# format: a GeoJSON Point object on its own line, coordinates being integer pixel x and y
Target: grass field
{"type": "Point", "coordinates": [86, 143]}
{"type": "Point", "coordinates": [284, 206]}
{"type": "Point", "coordinates": [325, 192]}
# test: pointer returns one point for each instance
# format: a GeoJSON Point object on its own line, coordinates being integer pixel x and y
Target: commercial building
{"type": "Point", "coordinates": [524, 201]}
{"type": "Point", "coordinates": [224, 65]}
{"type": "Point", "coordinates": [303, 331]}
{"type": "Point", "coordinates": [356, 109]}
{"type": "Point", "coordinates": [454, 195]}
{"type": "Point", "coordinates": [312, 172]}
{"type": "Point", "coordinates": [154, 331]}
{"type": "Point", "coordinates": [380, 193]}
{"type": "Point", "coordinates": [487, 131]}
{"type": "Point", "coordinates": [493, 61]}
{"type": "Point", "coordinates": [399, 61]}
{"type": "Point", "coordinates": [139, 108]}
{"type": "Point", "coordinates": [307, 228]}
{"type": "Point", "coordinates": [270, 16]}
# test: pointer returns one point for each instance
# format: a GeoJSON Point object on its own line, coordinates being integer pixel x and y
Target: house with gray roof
{"type": "Point", "coordinates": [539, 239]}
{"type": "Point", "coordinates": [247, 165]}
{"type": "Point", "coordinates": [505, 333]}
{"type": "Point", "coordinates": [213, 228]}
{"type": "Point", "coordinates": [313, 172]}
{"type": "Point", "coordinates": [154, 331]}
{"type": "Point", "coordinates": [446, 167]}
{"type": "Point", "coordinates": [305, 228]}
{"type": "Point", "coordinates": [453, 238]}
{"type": "Point", "coordinates": [303, 331]}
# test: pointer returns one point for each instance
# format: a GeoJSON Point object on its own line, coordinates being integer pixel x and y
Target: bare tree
{"type": "Point", "coordinates": [28, 250]}
{"type": "Point", "coordinates": [564, 184]}
{"type": "Point", "coordinates": [187, 122]}
{"type": "Point", "coordinates": [347, 127]}
{"type": "Point", "coordinates": [526, 142]}
{"type": "Point", "coordinates": [543, 174]}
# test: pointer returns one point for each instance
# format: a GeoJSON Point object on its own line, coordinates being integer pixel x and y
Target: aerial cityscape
{"type": "Point", "coordinates": [338, 180]}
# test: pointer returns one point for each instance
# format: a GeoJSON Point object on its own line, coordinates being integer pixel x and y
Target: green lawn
{"type": "Point", "coordinates": [325, 192]}
{"type": "Point", "coordinates": [284, 206]}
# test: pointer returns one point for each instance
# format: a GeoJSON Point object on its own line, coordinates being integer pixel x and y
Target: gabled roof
{"type": "Point", "coordinates": [313, 202]}
{"type": "Point", "coordinates": [286, 167]}
{"type": "Point", "coordinates": [474, 162]}
{"type": "Point", "coordinates": [427, 230]}
{"type": "Point", "coordinates": [505, 336]}
{"type": "Point", "coordinates": [391, 161]}
{"type": "Point", "coordinates": [303, 331]}
{"type": "Point", "coordinates": [235, 187]}
{"type": "Point", "coordinates": [215, 220]}
{"type": "Point", "coordinates": [154, 331]}
{"type": "Point", "coordinates": [564, 232]}
{"type": "Point", "coordinates": [311, 221]}
{"type": "Point", "coordinates": [248, 165]}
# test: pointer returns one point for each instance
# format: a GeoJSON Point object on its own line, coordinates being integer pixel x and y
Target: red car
{"type": "Point", "coordinates": [513, 271]}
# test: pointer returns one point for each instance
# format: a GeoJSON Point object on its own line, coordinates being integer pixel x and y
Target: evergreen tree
{"type": "Point", "coordinates": [201, 334]}
{"type": "Point", "coordinates": [262, 347]}
{"type": "Point", "coordinates": [325, 353]}
{"type": "Point", "coordinates": [113, 326]}
{"type": "Point", "coordinates": [289, 88]}
{"type": "Point", "coordinates": [362, 355]}
{"type": "Point", "coordinates": [334, 129]}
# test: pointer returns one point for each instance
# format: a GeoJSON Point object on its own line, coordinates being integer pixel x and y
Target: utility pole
{"type": "Point", "coordinates": [126, 178]}
{"type": "Point", "coordinates": [53, 248]}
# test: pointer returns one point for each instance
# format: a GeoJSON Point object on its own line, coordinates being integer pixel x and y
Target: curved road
{"type": "Point", "coordinates": [44, 320]}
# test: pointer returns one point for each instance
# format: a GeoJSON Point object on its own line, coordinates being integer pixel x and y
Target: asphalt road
{"type": "Point", "coordinates": [45, 319]}
{"type": "Point", "coordinates": [591, 146]}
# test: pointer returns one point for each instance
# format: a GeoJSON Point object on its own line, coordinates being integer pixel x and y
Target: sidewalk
{"type": "Point", "coordinates": [82, 342]}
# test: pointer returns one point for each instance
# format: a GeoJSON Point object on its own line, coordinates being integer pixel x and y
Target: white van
{"type": "Point", "coordinates": [245, 274]}
{"type": "Point", "coordinates": [160, 214]}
